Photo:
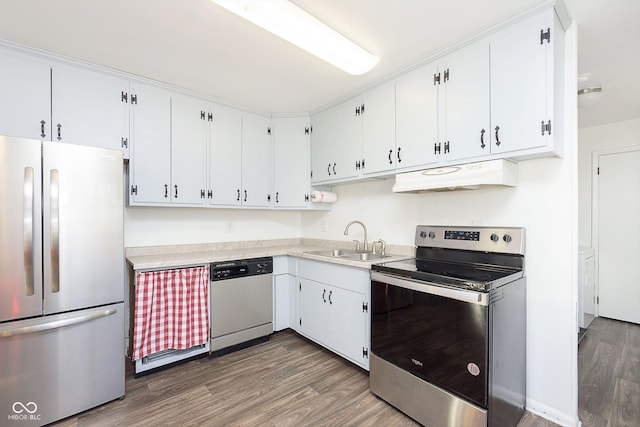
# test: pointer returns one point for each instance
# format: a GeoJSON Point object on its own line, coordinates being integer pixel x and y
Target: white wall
{"type": "Point", "coordinates": [150, 226]}
{"type": "Point", "coordinates": [543, 203]}
{"type": "Point", "coordinates": [613, 135]}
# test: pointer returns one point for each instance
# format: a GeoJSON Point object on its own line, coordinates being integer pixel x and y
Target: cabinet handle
{"type": "Point", "coordinates": [166, 191]}
{"type": "Point", "coordinates": [330, 302]}
{"type": "Point", "coordinates": [497, 138]}
{"type": "Point", "coordinates": [324, 291]}
{"type": "Point", "coordinates": [390, 153]}
{"type": "Point", "coordinates": [329, 169]}
{"type": "Point", "coordinates": [482, 144]}
{"type": "Point", "coordinates": [398, 155]}
{"type": "Point", "coordinates": [277, 194]}
{"type": "Point", "coordinates": [42, 123]}
{"type": "Point", "coordinates": [334, 168]}
{"type": "Point", "coordinates": [245, 195]}
{"type": "Point", "coordinates": [176, 189]}
{"type": "Point", "coordinates": [238, 199]}
{"type": "Point", "coordinates": [59, 126]}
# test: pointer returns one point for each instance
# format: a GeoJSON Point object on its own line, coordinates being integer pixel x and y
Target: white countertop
{"type": "Point", "coordinates": [155, 257]}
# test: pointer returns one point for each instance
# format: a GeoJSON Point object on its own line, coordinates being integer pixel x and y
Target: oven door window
{"type": "Point", "coordinates": [438, 339]}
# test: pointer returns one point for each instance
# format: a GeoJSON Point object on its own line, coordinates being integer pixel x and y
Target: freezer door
{"type": "Point", "coordinates": [20, 229]}
{"type": "Point", "coordinates": [83, 227]}
{"type": "Point", "coordinates": [56, 366]}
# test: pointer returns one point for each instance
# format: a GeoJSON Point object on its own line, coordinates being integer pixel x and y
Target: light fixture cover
{"type": "Point", "coordinates": [300, 28]}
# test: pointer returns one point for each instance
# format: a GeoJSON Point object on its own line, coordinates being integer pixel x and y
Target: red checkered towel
{"type": "Point", "coordinates": [171, 310]}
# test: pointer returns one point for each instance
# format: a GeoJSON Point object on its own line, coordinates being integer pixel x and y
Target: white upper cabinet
{"type": "Point", "coordinates": [345, 152]}
{"type": "Point", "coordinates": [321, 146]}
{"type": "Point", "coordinates": [416, 118]}
{"type": "Point", "coordinates": [150, 171]}
{"type": "Point", "coordinates": [463, 102]}
{"type": "Point", "coordinates": [25, 96]}
{"type": "Point", "coordinates": [378, 115]}
{"type": "Point", "coordinates": [526, 66]}
{"type": "Point", "coordinates": [189, 136]}
{"type": "Point", "coordinates": [256, 161]}
{"type": "Point", "coordinates": [89, 108]}
{"type": "Point", "coordinates": [291, 181]}
{"type": "Point", "coordinates": [225, 157]}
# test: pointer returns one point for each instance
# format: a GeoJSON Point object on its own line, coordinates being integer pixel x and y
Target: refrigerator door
{"type": "Point", "coordinates": [56, 366]}
{"type": "Point", "coordinates": [82, 226]}
{"type": "Point", "coordinates": [20, 229]}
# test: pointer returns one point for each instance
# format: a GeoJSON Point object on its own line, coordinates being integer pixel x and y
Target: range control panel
{"type": "Point", "coordinates": [509, 240]}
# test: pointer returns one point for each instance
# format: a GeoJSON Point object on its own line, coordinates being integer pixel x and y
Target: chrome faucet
{"type": "Point", "coordinates": [346, 233]}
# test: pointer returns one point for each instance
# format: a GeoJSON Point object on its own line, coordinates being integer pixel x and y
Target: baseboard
{"type": "Point", "coordinates": [552, 414]}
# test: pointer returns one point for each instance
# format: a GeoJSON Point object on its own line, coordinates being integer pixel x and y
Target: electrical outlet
{"type": "Point", "coordinates": [229, 227]}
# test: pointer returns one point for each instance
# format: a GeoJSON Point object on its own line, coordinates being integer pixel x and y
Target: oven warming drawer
{"type": "Point", "coordinates": [409, 394]}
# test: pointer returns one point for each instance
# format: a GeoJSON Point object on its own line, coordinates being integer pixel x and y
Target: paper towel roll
{"type": "Point", "coordinates": [324, 197]}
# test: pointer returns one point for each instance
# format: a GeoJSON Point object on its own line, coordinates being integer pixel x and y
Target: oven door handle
{"type": "Point", "coordinates": [473, 297]}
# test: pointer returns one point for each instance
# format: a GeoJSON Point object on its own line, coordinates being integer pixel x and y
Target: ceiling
{"type": "Point", "coordinates": [199, 46]}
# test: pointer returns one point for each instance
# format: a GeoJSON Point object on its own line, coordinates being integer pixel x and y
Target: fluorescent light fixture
{"type": "Point", "coordinates": [302, 29]}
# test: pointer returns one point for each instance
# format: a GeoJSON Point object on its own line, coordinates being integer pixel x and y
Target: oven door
{"type": "Point", "coordinates": [436, 333]}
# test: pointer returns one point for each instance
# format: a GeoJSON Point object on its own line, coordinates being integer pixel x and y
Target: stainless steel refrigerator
{"type": "Point", "coordinates": [61, 280]}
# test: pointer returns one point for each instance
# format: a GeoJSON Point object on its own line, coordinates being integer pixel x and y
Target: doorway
{"type": "Point", "coordinates": [616, 232]}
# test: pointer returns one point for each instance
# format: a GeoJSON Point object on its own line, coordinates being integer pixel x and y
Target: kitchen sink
{"type": "Point", "coordinates": [349, 254]}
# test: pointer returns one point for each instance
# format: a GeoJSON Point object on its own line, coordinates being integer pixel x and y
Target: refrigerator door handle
{"type": "Point", "coordinates": [55, 231]}
{"type": "Point", "coordinates": [56, 324]}
{"type": "Point", "coordinates": [27, 227]}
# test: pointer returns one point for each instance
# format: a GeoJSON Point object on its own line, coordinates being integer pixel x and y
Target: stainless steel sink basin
{"type": "Point", "coordinates": [349, 254]}
{"type": "Point", "coordinates": [334, 253]}
{"type": "Point", "coordinates": [365, 256]}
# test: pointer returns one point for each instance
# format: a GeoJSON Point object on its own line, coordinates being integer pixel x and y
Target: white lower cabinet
{"type": "Point", "coordinates": [333, 308]}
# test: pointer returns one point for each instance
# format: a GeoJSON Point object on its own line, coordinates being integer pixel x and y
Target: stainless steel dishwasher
{"type": "Point", "coordinates": [241, 303]}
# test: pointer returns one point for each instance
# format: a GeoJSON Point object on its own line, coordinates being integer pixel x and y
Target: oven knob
{"type": "Point", "coordinates": [494, 237]}
{"type": "Point", "coordinates": [432, 235]}
{"type": "Point", "coordinates": [506, 238]}
{"type": "Point", "coordinates": [423, 234]}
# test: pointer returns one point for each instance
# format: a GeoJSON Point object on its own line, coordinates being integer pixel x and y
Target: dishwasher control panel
{"type": "Point", "coordinates": [241, 268]}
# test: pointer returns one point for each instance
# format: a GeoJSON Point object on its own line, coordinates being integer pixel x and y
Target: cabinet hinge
{"type": "Point", "coordinates": [306, 197]}
{"type": "Point", "coordinates": [268, 131]}
{"type": "Point", "coordinates": [436, 79]}
{"type": "Point", "coordinates": [365, 307]}
{"type": "Point", "coordinates": [202, 115]}
{"type": "Point", "coordinates": [311, 129]}
{"type": "Point", "coordinates": [209, 117]}
{"type": "Point", "coordinates": [358, 110]}
{"type": "Point", "coordinates": [446, 147]}
{"type": "Point", "coordinates": [545, 127]}
{"type": "Point", "coordinates": [124, 97]}
{"type": "Point", "coordinates": [210, 194]}
{"type": "Point", "coordinates": [134, 99]}
{"type": "Point", "coordinates": [362, 109]}
{"type": "Point", "coordinates": [545, 35]}
{"type": "Point", "coordinates": [445, 77]}
{"type": "Point", "coordinates": [134, 190]}
{"type": "Point", "coordinates": [365, 352]}
{"type": "Point", "coordinates": [306, 131]}
{"type": "Point", "coordinates": [125, 142]}
{"type": "Point", "coordinates": [202, 193]}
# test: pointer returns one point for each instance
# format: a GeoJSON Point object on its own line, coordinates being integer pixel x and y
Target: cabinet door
{"type": "Point", "coordinates": [313, 311]}
{"type": "Point", "coordinates": [225, 157]}
{"type": "Point", "coordinates": [290, 162]}
{"type": "Point", "coordinates": [378, 112]}
{"type": "Point", "coordinates": [256, 161]}
{"type": "Point", "coordinates": [346, 144]}
{"type": "Point", "coordinates": [189, 133]}
{"type": "Point", "coordinates": [416, 118]}
{"type": "Point", "coordinates": [321, 146]}
{"type": "Point", "coordinates": [521, 66]}
{"type": "Point", "coordinates": [150, 169]}
{"type": "Point", "coordinates": [25, 97]}
{"type": "Point", "coordinates": [89, 108]}
{"type": "Point", "coordinates": [346, 324]}
{"type": "Point", "coordinates": [463, 101]}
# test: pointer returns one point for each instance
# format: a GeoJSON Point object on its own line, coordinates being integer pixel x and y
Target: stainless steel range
{"type": "Point", "coordinates": [448, 328]}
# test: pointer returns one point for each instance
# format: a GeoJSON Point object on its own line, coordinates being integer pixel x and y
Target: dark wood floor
{"type": "Point", "coordinates": [609, 374]}
{"type": "Point", "coordinates": [289, 381]}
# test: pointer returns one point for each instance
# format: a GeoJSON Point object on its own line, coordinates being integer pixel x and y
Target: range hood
{"type": "Point", "coordinates": [470, 176]}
